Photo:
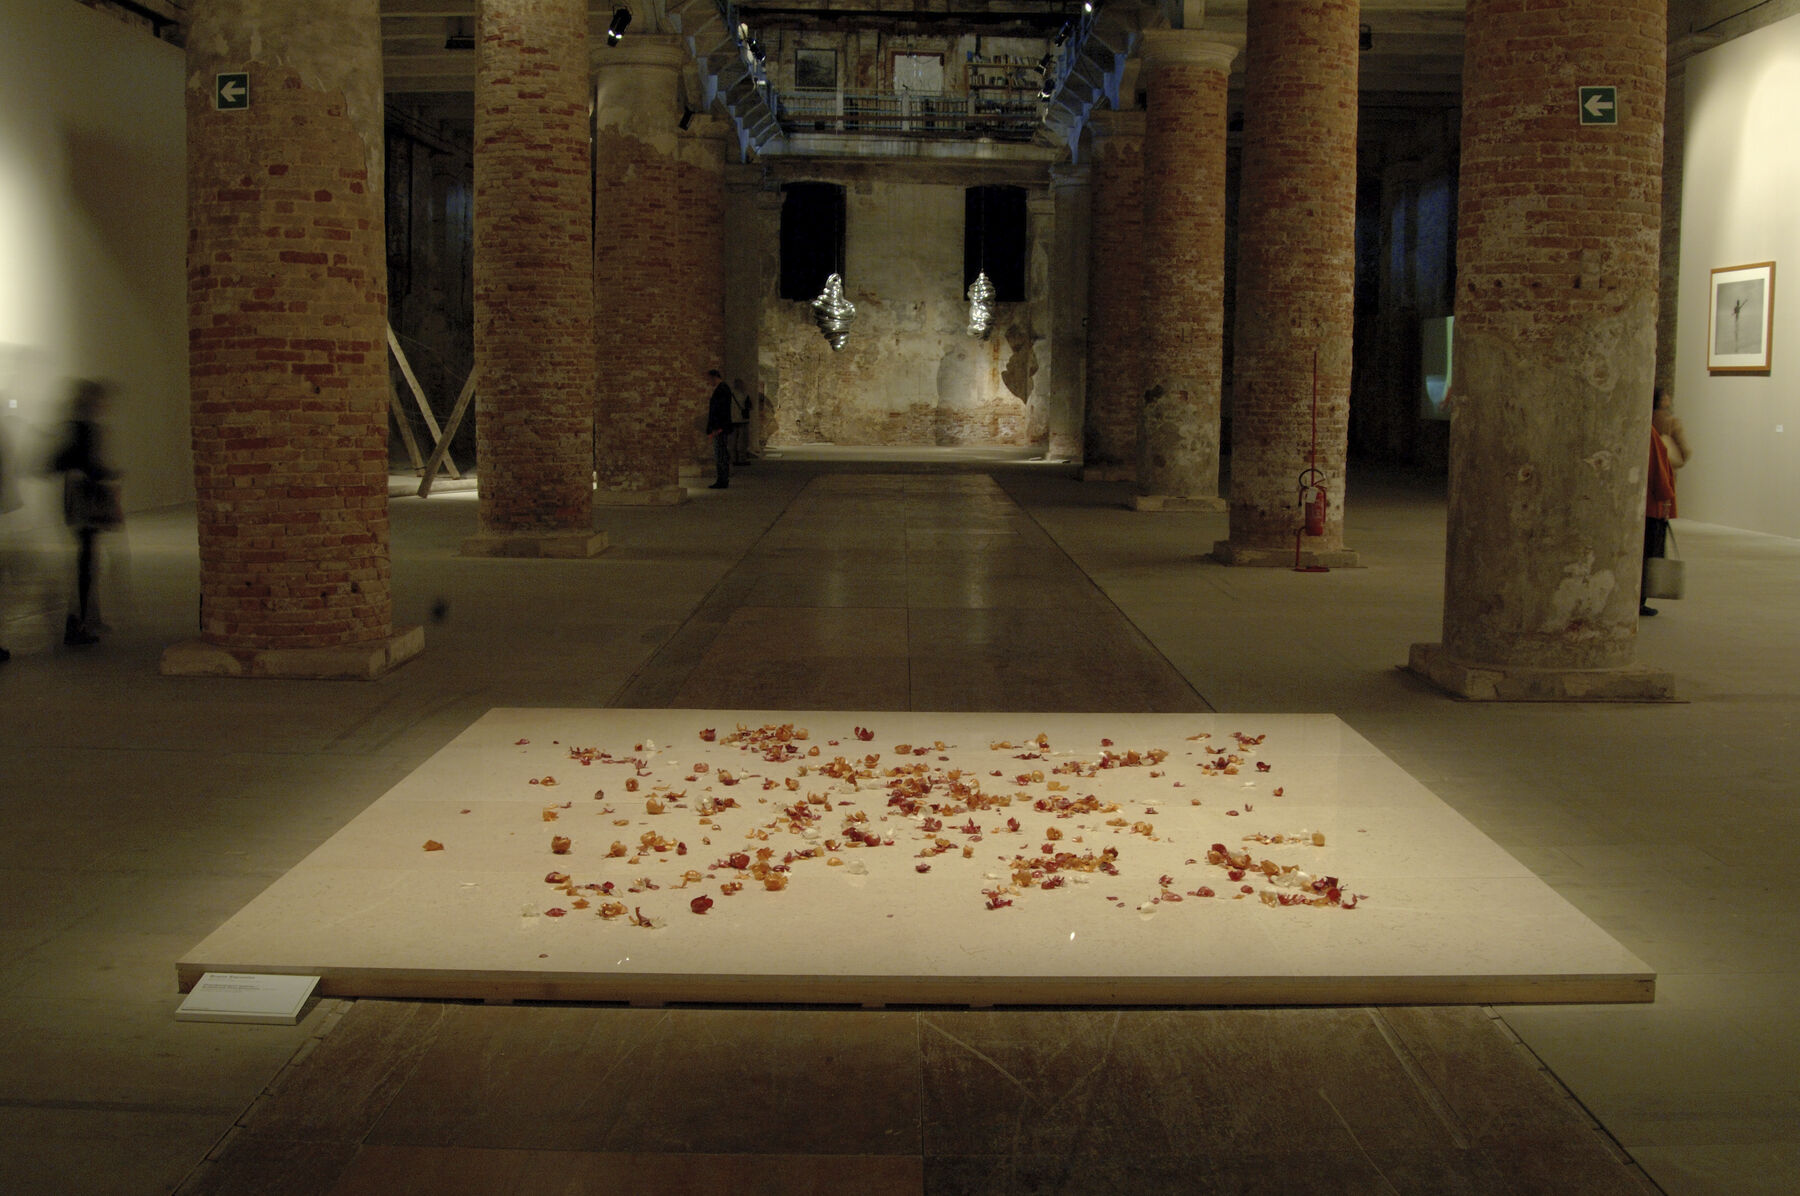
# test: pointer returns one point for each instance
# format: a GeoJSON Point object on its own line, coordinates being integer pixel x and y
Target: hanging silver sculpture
{"type": "Point", "coordinates": [834, 312]}
{"type": "Point", "coordinates": [981, 306]}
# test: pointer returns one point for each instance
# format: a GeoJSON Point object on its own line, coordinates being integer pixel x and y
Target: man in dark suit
{"type": "Point", "coordinates": [718, 429]}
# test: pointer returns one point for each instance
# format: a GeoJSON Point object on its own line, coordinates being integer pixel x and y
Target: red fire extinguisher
{"type": "Point", "coordinates": [1312, 486]}
{"type": "Point", "coordinates": [1312, 500]}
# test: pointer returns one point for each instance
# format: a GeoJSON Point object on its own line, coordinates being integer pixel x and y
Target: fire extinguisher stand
{"type": "Point", "coordinates": [1312, 485]}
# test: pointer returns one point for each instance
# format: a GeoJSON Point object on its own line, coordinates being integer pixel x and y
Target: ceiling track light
{"type": "Point", "coordinates": [615, 32]}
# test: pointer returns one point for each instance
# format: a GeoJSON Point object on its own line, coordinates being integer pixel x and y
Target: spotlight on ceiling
{"type": "Point", "coordinates": [1087, 8]}
{"type": "Point", "coordinates": [615, 32]}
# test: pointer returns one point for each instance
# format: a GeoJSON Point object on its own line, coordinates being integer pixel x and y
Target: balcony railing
{"type": "Point", "coordinates": [1004, 117]}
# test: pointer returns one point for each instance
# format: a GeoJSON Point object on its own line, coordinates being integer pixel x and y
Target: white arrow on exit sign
{"type": "Point", "coordinates": [1599, 105]}
{"type": "Point", "coordinates": [232, 91]}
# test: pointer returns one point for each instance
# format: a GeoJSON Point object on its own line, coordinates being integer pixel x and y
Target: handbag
{"type": "Point", "coordinates": [1676, 460]}
{"type": "Point", "coordinates": [1665, 576]}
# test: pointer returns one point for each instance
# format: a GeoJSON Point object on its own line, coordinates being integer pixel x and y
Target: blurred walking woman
{"type": "Point", "coordinates": [90, 499]}
{"type": "Point", "coordinates": [1669, 451]}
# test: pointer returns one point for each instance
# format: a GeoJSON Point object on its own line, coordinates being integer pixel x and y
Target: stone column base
{"type": "Point", "coordinates": [1227, 553]}
{"type": "Point", "coordinates": [662, 496]}
{"type": "Point", "coordinates": [351, 662]}
{"type": "Point", "coordinates": [1176, 502]}
{"type": "Point", "coordinates": [1486, 683]}
{"type": "Point", "coordinates": [564, 545]}
{"type": "Point", "coordinates": [1109, 473]}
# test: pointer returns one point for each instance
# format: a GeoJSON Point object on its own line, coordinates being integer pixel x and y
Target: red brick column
{"type": "Point", "coordinates": [287, 301]}
{"type": "Point", "coordinates": [534, 282]}
{"type": "Point", "coordinates": [644, 377]}
{"type": "Point", "coordinates": [1115, 365]}
{"type": "Point", "coordinates": [1295, 277]}
{"type": "Point", "coordinates": [1185, 73]}
{"type": "Point", "coordinates": [1556, 301]}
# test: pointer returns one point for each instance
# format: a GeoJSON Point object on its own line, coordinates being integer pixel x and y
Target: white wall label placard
{"type": "Point", "coordinates": [270, 1000]}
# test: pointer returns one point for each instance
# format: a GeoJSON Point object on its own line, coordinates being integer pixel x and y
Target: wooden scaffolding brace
{"type": "Point", "coordinates": [440, 449]}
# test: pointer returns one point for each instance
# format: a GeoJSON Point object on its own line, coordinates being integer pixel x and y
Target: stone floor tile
{"type": "Point", "coordinates": [762, 633]}
{"type": "Point", "coordinates": [1709, 1113]}
{"type": "Point", "coordinates": [135, 1054]}
{"type": "Point", "coordinates": [339, 1088]}
{"type": "Point", "coordinates": [992, 659]}
{"type": "Point", "coordinates": [877, 587]}
{"type": "Point", "coordinates": [1761, 1169]}
{"type": "Point", "coordinates": [460, 1171]}
{"type": "Point", "coordinates": [723, 1081]}
{"type": "Point", "coordinates": [1616, 1048]}
{"type": "Point", "coordinates": [1511, 1170]}
{"type": "Point", "coordinates": [1161, 1083]}
{"type": "Point", "coordinates": [271, 1169]}
{"type": "Point", "coordinates": [938, 586]}
{"type": "Point", "coordinates": [825, 682]}
{"type": "Point", "coordinates": [1493, 1089]}
{"type": "Point", "coordinates": [1139, 1173]}
{"type": "Point", "coordinates": [102, 1150]}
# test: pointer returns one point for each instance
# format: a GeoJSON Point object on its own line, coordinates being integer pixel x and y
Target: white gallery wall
{"type": "Point", "coordinates": [93, 232]}
{"type": "Point", "coordinates": [1741, 204]}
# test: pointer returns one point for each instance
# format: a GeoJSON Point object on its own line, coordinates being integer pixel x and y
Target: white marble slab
{"type": "Point", "coordinates": [1442, 913]}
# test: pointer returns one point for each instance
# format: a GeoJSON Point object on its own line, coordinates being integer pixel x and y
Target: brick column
{"type": "Point", "coordinates": [1115, 366]}
{"type": "Point", "coordinates": [534, 282]}
{"type": "Point", "coordinates": [1556, 301]}
{"type": "Point", "coordinates": [1295, 278]}
{"type": "Point", "coordinates": [1066, 407]}
{"type": "Point", "coordinates": [644, 379]}
{"type": "Point", "coordinates": [287, 306]}
{"type": "Point", "coordinates": [1185, 73]}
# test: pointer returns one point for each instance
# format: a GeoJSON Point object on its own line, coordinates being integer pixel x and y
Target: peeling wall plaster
{"type": "Point", "coordinates": [910, 373]}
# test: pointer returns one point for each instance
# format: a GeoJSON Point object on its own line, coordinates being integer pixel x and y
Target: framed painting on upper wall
{"type": "Point", "coordinates": [815, 70]}
{"type": "Point", "coordinates": [1742, 319]}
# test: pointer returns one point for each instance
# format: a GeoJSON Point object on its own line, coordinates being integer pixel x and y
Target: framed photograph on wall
{"type": "Point", "coordinates": [1742, 319]}
{"type": "Point", "coordinates": [815, 70]}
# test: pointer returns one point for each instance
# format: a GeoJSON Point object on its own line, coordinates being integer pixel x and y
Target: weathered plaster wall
{"type": "Point", "coordinates": [1742, 172]}
{"type": "Point", "coordinates": [910, 374]}
{"type": "Point", "coordinates": [93, 233]}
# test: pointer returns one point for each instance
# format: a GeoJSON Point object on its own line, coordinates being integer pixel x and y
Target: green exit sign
{"type": "Point", "coordinates": [232, 91]}
{"type": "Point", "coordinates": [1599, 105]}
